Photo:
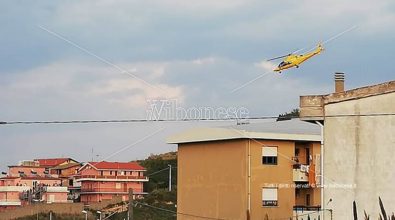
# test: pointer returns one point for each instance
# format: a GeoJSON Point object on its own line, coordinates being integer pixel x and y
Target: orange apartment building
{"type": "Point", "coordinates": [249, 171]}
{"type": "Point", "coordinates": [104, 180]}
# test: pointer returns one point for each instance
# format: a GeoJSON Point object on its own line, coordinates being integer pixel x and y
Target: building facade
{"type": "Point", "coordinates": [249, 171]}
{"type": "Point", "coordinates": [18, 191]}
{"type": "Point", "coordinates": [359, 137]}
{"type": "Point", "coordinates": [104, 180]}
{"type": "Point", "coordinates": [34, 181]}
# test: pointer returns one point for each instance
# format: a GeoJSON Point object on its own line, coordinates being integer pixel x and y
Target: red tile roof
{"type": "Point", "coordinates": [22, 166]}
{"type": "Point", "coordinates": [104, 165]}
{"type": "Point", "coordinates": [51, 162]}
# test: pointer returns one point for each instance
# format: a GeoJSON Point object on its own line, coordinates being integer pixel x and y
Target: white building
{"type": "Point", "coordinates": [359, 147]}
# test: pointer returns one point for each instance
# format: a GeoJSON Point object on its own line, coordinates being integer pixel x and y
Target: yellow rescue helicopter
{"type": "Point", "coordinates": [294, 60]}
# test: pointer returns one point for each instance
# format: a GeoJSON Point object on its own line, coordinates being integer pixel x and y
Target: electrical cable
{"type": "Point", "coordinates": [178, 213]}
{"type": "Point", "coordinates": [184, 120]}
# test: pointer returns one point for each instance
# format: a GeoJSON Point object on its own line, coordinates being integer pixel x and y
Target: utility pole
{"type": "Point", "coordinates": [169, 177]}
{"type": "Point", "coordinates": [130, 206]}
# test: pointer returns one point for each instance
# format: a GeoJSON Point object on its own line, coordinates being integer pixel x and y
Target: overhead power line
{"type": "Point", "coordinates": [158, 171]}
{"type": "Point", "coordinates": [132, 120]}
{"type": "Point", "coordinates": [178, 213]}
{"type": "Point", "coordinates": [183, 120]}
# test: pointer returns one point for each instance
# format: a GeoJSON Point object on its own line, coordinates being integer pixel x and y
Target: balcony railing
{"type": "Point", "coordinates": [112, 177]}
{"type": "Point", "coordinates": [59, 189]}
{"type": "Point", "coordinates": [108, 190]}
{"type": "Point", "coordinates": [302, 208]}
{"type": "Point", "coordinates": [300, 173]}
{"type": "Point", "coordinates": [10, 202]}
{"type": "Point", "coordinates": [14, 188]}
{"type": "Point", "coordinates": [308, 212]}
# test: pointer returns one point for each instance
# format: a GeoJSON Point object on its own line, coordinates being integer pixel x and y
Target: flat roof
{"type": "Point", "coordinates": [312, 106]}
{"type": "Point", "coordinates": [357, 93]}
{"type": "Point", "coordinates": [294, 129]}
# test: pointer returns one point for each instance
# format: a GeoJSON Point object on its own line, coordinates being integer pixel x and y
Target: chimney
{"type": "Point", "coordinates": [339, 82]}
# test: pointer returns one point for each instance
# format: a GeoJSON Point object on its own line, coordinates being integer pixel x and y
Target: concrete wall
{"type": "Point", "coordinates": [359, 152]}
{"type": "Point", "coordinates": [55, 197]}
{"type": "Point", "coordinates": [71, 208]}
{"type": "Point", "coordinates": [266, 175]}
{"type": "Point", "coordinates": [212, 180]}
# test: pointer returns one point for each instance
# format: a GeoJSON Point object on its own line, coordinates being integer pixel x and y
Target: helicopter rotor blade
{"type": "Point", "coordinates": [278, 57]}
{"type": "Point", "coordinates": [298, 50]}
{"type": "Point", "coordinates": [314, 47]}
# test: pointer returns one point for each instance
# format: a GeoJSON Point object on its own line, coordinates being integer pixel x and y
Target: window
{"type": "Point", "coordinates": [117, 185]}
{"type": "Point", "coordinates": [269, 197]}
{"type": "Point", "coordinates": [269, 155]}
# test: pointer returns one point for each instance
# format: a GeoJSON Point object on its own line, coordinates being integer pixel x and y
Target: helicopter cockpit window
{"type": "Point", "coordinates": [283, 63]}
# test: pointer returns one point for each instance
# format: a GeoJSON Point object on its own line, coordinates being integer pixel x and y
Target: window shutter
{"type": "Point", "coordinates": [269, 194]}
{"type": "Point", "coordinates": [269, 151]}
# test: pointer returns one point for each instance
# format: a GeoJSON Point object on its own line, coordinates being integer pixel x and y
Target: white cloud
{"type": "Point", "coordinates": [205, 60]}
{"type": "Point", "coordinates": [78, 89]}
{"type": "Point", "coordinates": [266, 65]}
{"type": "Point", "coordinates": [132, 93]}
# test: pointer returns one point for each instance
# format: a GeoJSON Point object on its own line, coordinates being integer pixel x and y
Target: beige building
{"type": "Point", "coordinates": [359, 141]}
{"type": "Point", "coordinates": [249, 171]}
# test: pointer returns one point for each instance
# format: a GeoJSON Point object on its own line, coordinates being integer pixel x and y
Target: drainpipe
{"type": "Point", "coordinates": [249, 181]}
{"type": "Point", "coordinates": [322, 168]}
{"type": "Point", "coordinates": [169, 177]}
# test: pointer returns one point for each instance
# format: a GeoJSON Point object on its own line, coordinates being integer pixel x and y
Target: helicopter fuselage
{"type": "Point", "coordinates": [294, 60]}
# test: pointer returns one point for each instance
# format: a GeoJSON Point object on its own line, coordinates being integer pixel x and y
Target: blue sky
{"type": "Point", "coordinates": [197, 52]}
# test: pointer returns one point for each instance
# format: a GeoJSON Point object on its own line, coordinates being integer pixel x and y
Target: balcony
{"type": "Point", "coordinates": [107, 190]}
{"type": "Point", "coordinates": [112, 178]}
{"type": "Point", "coordinates": [5, 202]}
{"type": "Point", "coordinates": [300, 173]}
{"type": "Point", "coordinates": [307, 212]}
{"type": "Point", "coordinates": [14, 188]}
{"type": "Point", "coordinates": [57, 189]}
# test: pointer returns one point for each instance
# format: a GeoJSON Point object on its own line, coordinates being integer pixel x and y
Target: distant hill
{"type": "Point", "coordinates": [157, 166]}
{"type": "Point", "coordinates": [164, 156]}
